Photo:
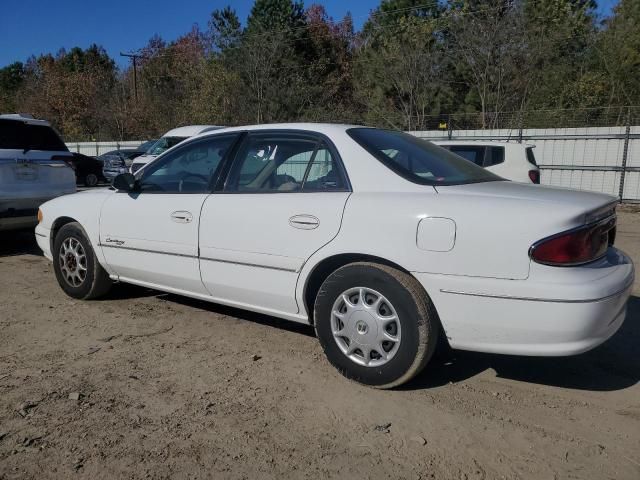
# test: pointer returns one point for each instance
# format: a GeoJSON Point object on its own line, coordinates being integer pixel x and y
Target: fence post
{"type": "Point", "coordinates": [449, 128]}
{"type": "Point", "coordinates": [625, 154]}
{"type": "Point", "coordinates": [520, 126]}
{"type": "Point", "coordinates": [97, 152]}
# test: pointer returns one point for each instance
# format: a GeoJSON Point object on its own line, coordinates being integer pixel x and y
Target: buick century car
{"type": "Point", "coordinates": [382, 241]}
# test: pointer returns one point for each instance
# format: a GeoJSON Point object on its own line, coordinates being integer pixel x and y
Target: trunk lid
{"type": "Point", "coordinates": [497, 222]}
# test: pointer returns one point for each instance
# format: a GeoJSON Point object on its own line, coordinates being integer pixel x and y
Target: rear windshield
{"type": "Point", "coordinates": [24, 136]}
{"type": "Point", "coordinates": [418, 160]}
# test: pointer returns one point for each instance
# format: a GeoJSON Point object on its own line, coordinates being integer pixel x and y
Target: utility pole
{"type": "Point", "coordinates": [134, 57]}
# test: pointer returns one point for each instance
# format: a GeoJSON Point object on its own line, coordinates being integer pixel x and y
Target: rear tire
{"type": "Point", "coordinates": [77, 269]}
{"type": "Point", "coordinates": [376, 324]}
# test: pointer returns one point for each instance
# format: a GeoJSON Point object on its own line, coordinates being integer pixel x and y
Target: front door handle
{"type": "Point", "coordinates": [182, 216]}
{"type": "Point", "coordinates": [304, 222]}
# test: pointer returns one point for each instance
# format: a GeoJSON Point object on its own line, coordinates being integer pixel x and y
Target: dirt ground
{"type": "Point", "coordinates": [150, 385]}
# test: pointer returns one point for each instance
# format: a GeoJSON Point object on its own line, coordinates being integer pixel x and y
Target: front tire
{"type": "Point", "coordinates": [376, 324]}
{"type": "Point", "coordinates": [77, 269]}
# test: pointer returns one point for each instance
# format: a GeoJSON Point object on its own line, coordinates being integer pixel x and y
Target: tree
{"type": "Point", "coordinates": [488, 47]}
{"type": "Point", "coordinates": [619, 53]}
{"type": "Point", "coordinates": [11, 79]}
{"type": "Point", "coordinates": [401, 65]}
{"type": "Point", "coordinates": [225, 30]}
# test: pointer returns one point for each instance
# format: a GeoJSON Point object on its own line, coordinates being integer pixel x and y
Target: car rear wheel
{"type": "Point", "coordinates": [77, 269]}
{"type": "Point", "coordinates": [90, 180]}
{"type": "Point", "coordinates": [376, 324]}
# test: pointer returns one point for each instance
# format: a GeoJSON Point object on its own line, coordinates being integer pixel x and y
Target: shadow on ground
{"type": "Point", "coordinates": [22, 242]}
{"type": "Point", "coordinates": [614, 365]}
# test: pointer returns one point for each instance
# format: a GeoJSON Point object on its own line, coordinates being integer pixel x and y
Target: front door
{"type": "Point", "coordinates": [283, 200]}
{"type": "Point", "coordinates": [151, 236]}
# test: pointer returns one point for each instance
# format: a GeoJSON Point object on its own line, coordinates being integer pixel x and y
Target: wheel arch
{"type": "Point", "coordinates": [328, 265]}
{"type": "Point", "coordinates": [57, 224]}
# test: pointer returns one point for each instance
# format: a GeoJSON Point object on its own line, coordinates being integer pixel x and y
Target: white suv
{"type": "Point", "coordinates": [513, 161]}
{"type": "Point", "coordinates": [33, 169]}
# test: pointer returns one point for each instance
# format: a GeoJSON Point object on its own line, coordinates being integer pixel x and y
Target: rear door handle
{"type": "Point", "coordinates": [304, 222]}
{"type": "Point", "coordinates": [182, 216]}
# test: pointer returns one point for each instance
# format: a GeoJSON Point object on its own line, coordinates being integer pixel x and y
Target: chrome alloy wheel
{"type": "Point", "coordinates": [365, 326]}
{"type": "Point", "coordinates": [73, 262]}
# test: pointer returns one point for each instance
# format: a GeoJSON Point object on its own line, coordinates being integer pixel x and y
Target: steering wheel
{"type": "Point", "coordinates": [204, 178]}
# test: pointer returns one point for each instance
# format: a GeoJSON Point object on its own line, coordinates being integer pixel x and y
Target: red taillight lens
{"type": "Point", "coordinates": [576, 247]}
{"type": "Point", "coordinates": [534, 176]}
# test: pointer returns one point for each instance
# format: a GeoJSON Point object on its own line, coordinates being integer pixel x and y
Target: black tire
{"type": "Point", "coordinates": [417, 316]}
{"type": "Point", "coordinates": [91, 180]}
{"type": "Point", "coordinates": [96, 281]}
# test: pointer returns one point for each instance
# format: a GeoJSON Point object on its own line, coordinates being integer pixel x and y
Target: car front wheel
{"type": "Point", "coordinates": [376, 324]}
{"type": "Point", "coordinates": [77, 269]}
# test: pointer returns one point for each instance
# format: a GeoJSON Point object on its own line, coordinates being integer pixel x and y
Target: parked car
{"type": "Point", "coordinates": [88, 169]}
{"type": "Point", "coordinates": [144, 147]}
{"type": "Point", "coordinates": [116, 162]}
{"type": "Point", "coordinates": [382, 241]}
{"type": "Point", "coordinates": [32, 169]}
{"type": "Point", "coordinates": [510, 160]}
{"type": "Point", "coordinates": [168, 140]}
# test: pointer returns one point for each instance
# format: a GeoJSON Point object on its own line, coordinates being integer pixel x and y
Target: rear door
{"type": "Point", "coordinates": [283, 199]}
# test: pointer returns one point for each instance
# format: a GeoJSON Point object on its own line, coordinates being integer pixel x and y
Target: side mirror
{"type": "Point", "coordinates": [125, 182]}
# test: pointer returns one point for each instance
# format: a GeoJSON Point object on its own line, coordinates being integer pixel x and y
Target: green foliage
{"type": "Point", "coordinates": [412, 63]}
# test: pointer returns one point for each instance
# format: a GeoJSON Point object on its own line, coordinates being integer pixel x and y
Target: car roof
{"type": "Point", "coordinates": [190, 130]}
{"type": "Point", "coordinates": [25, 118]}
{"type": "Point", "coordinates": [324, 128]}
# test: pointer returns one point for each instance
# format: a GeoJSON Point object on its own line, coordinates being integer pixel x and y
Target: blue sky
{"type": "Point", "coordinates": [32, 27]}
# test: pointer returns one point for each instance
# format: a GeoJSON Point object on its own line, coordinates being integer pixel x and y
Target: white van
{"type": "Point", "coordinates": [168, 140]}
{"type": "Point", "coordinates": [34, 168]}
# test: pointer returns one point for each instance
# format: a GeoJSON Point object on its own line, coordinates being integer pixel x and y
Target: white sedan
{"type": "Point", "coordinates": [382, 241]}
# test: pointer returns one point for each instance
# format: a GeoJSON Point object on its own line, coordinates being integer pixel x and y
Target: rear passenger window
{"type": "Point", "coordinates": [473, 154]}
{"type": "Point", "coordinates": [323, 173]}
{"type": "Point", "coordinates": [495, 155]}
{"type": "Point", "coordinates": [282, 163]}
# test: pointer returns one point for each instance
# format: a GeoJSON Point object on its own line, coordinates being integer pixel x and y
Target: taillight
{"type": "Point", "coordinates": [534, 176]}
{"type": "Point", "coordinates": [577, 246]}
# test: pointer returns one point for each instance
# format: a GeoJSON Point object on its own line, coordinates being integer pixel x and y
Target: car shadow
{"type": "Point", "coordinates": [254, 317]}
{"type": "Point", "coordinates": [614, 365]}
{"type": "Point", "coordinates": [20, 242]}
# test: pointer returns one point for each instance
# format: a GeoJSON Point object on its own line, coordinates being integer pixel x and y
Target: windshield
{"type": "Point", "coordinates": [417, 160]}
{"type": "Point", "coordinates": [165, 143]}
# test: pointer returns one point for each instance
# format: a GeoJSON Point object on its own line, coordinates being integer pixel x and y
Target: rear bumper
{"type": "Point", "coordinates": [19, 213]}
{"type": "Point", "coordinates": [556, 322]}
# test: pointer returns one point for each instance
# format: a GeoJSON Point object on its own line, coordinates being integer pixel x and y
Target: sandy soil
{"type": "Point", "coordinates": [144, 384]}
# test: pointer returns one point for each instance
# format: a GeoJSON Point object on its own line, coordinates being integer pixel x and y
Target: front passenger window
{"type": "Point", "coordinates": [188, 169]}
